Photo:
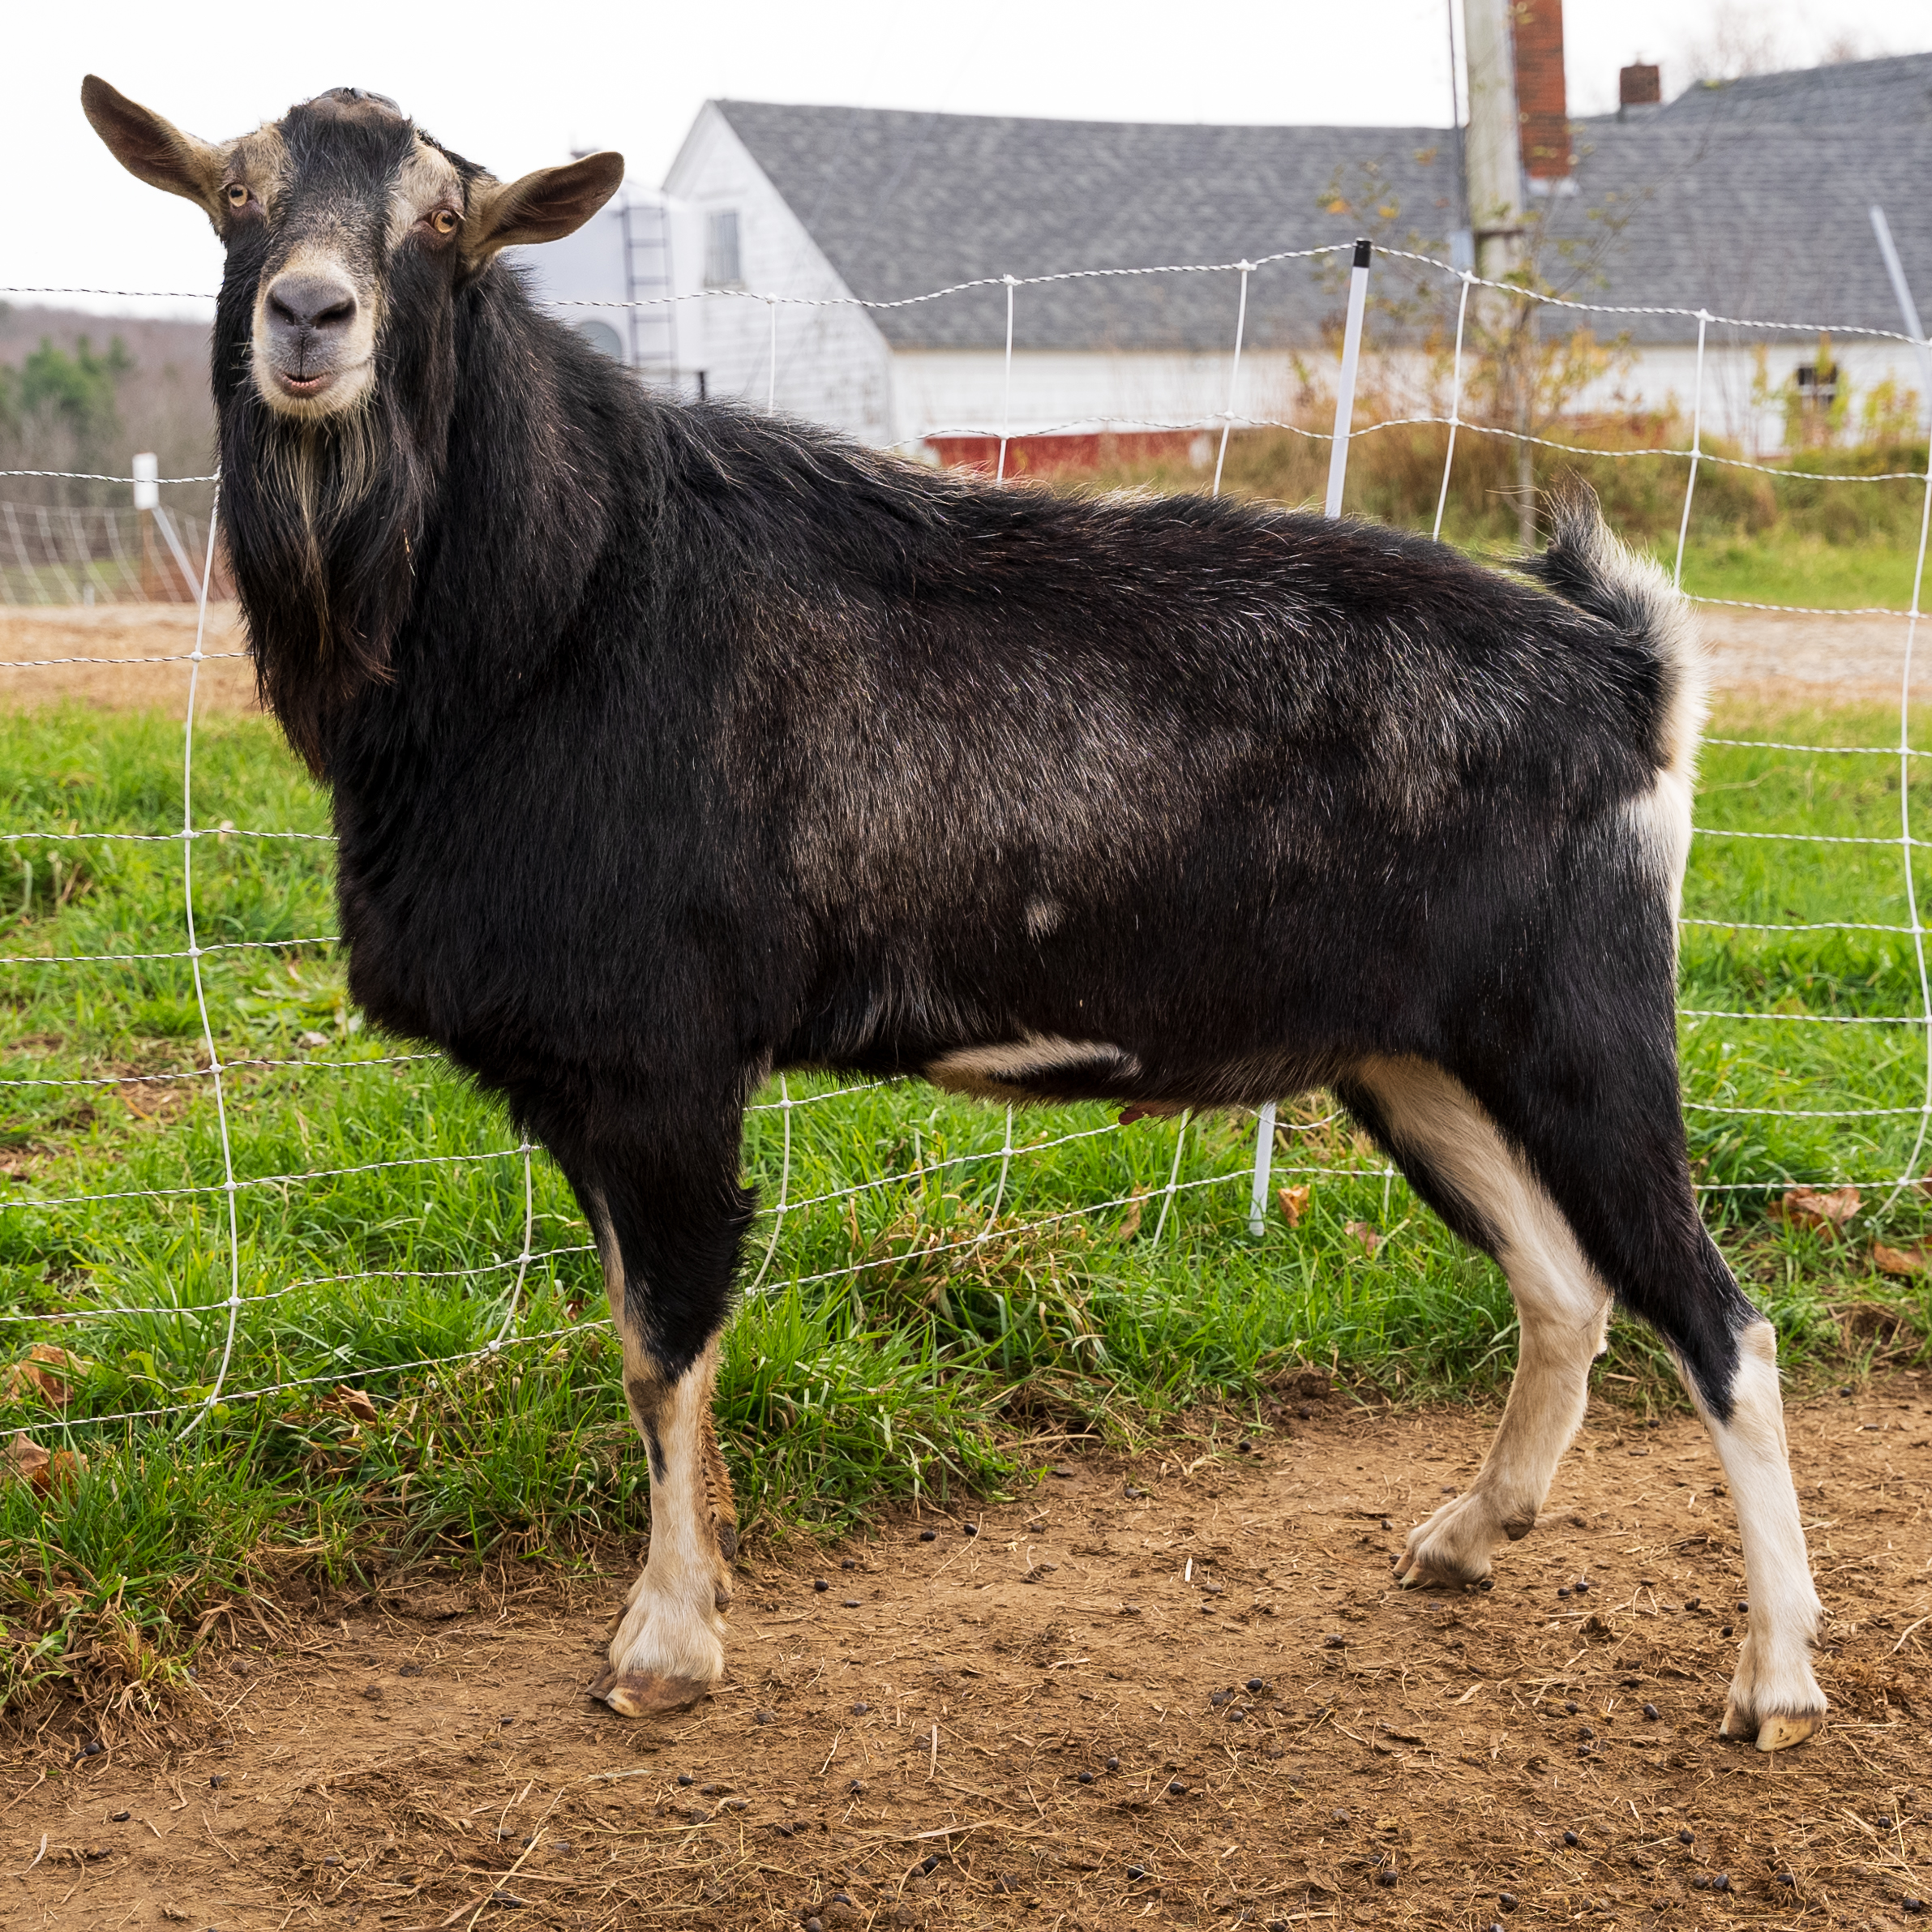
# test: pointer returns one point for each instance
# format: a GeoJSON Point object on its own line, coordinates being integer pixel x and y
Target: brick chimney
{"type": "Point", "coordinates": [1542, 102]}
{"type": "Point", "coordinates": [1639, 86]}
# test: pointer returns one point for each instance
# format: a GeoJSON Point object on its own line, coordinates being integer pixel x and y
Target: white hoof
{"type": "Point", "coordinates": [1452, 1546]}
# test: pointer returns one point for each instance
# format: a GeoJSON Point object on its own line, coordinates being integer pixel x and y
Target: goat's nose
{"type": "Point", "coordinates": [300, 301]}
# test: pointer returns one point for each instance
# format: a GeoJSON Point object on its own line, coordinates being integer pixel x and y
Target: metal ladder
{"type": "Point", "coordinates": [653, 341]}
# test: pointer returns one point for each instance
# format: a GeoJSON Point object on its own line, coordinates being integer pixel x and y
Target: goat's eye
{"type": "Point", "coordinates": [444, 222]}
{"type": "Point", "coordinates": [237, 194]}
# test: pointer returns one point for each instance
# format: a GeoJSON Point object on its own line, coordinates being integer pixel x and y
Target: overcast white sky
{"type": "Point", "coordinates": [518, 89]}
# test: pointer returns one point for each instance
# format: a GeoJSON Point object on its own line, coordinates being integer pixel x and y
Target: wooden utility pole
{"type": "Point", "coordinates": [1494, 160]}
{"type": "Point", "coordinates": [1493, 155]}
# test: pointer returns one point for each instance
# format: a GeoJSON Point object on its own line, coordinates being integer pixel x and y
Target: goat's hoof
{"type": "Point", "coordinates": [1427, 1565]}
{"type": "Point", "coordinates": [645, 1694]}
{"type": "Point", "coordinates": [1775, 1733]}
{"type": "Point", "coordinates": [604, 1679]}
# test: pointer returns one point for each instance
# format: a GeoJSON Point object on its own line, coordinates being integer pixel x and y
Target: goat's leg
{"type": "Point", "coordinates": [667, 1268]}
{"type": "Point", "coordinates": [1452, 1153]}
{"type": "Point", "coordinates": [1775, 1699]}
{"type": "Point", "coordinates": [1608, 1151]}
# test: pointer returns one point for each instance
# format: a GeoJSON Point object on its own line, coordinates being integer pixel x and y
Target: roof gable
{"type": "Point", "coordinates": [1751, 201]}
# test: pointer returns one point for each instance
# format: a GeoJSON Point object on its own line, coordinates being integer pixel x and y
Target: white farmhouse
{"type": "Point", "coordinates": [1748, 199]}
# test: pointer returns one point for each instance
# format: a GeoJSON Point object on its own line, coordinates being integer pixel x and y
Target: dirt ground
{"type": "Point", "coordinates": [122, 634]}
{"type": "Point", "coordinates": [1810, 660]}
{"type": "Point", "coordinates": [1180, 1690]}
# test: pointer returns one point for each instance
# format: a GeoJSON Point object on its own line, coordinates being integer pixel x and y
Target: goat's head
{"type": "Point", "coordinates": [343, 221]}
{"type": "Point", "coordinates": [352, 238]}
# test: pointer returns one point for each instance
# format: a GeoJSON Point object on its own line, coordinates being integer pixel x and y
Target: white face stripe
{"type": "Point", "coordinates": [1562, 1303]}
{"type": "Point", "coordinates": [426, 177]}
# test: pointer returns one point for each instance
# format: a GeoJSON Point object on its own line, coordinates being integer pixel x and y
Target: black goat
{"type": "Point", "coordinates": [671, 745]}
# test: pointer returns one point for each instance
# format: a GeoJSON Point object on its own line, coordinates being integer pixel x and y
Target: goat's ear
{"type": "Point", "coordinates": [543, 207]}
{"type": "Point", "coordinates": [154, 150]}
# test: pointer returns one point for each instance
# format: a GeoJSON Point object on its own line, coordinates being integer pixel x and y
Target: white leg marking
{"type": "Point", "coordinates": [669, 1649]}
{"type": "Point", "coordinates": [1561, 1304]}
{"type": "Point", "coordinates": [1774, 1697]}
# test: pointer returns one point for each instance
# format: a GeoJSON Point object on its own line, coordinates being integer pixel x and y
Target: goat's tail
{"type": "Point", "coordinates": [1587, 566]}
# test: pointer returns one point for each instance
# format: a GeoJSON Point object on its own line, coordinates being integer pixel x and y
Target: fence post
{"type": "Point", "coordinates": [1901, 289]}
{"type": "Point", "coordinates": [146, 500]}
{"type": "Point", "coordinates": [1351, 350]}
{"type": "Point", "coordinates": [1338, 474]}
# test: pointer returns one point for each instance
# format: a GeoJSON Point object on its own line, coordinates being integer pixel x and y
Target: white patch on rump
{"type": "Point", "coordinates": [1562, 1303]}
{"type": "Point", "coordinates": [1660, 818]}
{"type": "Point", "coordinates": [1016, 1069]}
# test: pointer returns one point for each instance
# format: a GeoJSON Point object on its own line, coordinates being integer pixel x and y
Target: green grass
{"type": "Point", "coordinates": [1796, 570]}
{"type": "Point", "coordinates": [922, 1335]}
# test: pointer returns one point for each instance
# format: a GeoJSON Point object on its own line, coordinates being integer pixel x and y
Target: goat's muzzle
{"type": "Point", "coordinates": [310, 318]}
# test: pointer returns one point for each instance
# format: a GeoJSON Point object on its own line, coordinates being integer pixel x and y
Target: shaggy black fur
{"type": "Point", "coordinates": [672, 744]}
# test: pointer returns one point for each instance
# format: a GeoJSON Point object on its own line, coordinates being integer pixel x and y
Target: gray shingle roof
{"type": "Point", "coordinates": [1750, 199]}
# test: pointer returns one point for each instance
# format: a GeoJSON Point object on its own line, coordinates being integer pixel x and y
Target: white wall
{"type": "Point", "coordinates": [832, 365]}
{"type": "Point", "coordinates": [1668, 372]}
{"type": "Point", "coordinates": [588, 266]}
{"type": "Point", "coordinates": [963, 391]}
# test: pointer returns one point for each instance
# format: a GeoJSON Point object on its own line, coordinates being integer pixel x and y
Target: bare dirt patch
{"type": "Point", "coordinates": [122, 635]}
{"type": "Point", "coordinates": [1803, 659]}
{"type": "Point", "coordinates": [1181, 1690]}
{"type": "Point", "coordinates": [1755, 653]}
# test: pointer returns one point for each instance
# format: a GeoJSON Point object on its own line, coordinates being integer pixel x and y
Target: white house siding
{"type": "Point", "coordinates": [585, 280]}
{"type": "Point", "coordinates": [963, 391]}
{"type": "Point", "coordinates": [832, 365]}
{"type": "Point", "coordinates": [1667, 373]}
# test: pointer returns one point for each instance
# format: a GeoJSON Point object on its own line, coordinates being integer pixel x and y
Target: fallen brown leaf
{"type": "Point", "coordinates": [37, 1374]}
{"type": "Point", "coordinates": [352, 1403]}
{"type": "Point", "coordinates": [1898, 1261]}
{"type": "Point", "coordinates": [25, 1458]}
{"type": "Point", "coordinates": [1294, 1203]}
{"type": "Point", "coordinates": [1366, 1234]}
{"type": "Point", "coordinates": [1823, 1213]}
{"type": "Point", "coordinates": [1130, 1222]}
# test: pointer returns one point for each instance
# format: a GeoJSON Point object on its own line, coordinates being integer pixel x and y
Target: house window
{"type": "Point", "coordinates": [1818, 384]}
{"type": "Point", "coordinates": [720, 250]}
{"type": "Point", "coordinates": [603, 338]}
